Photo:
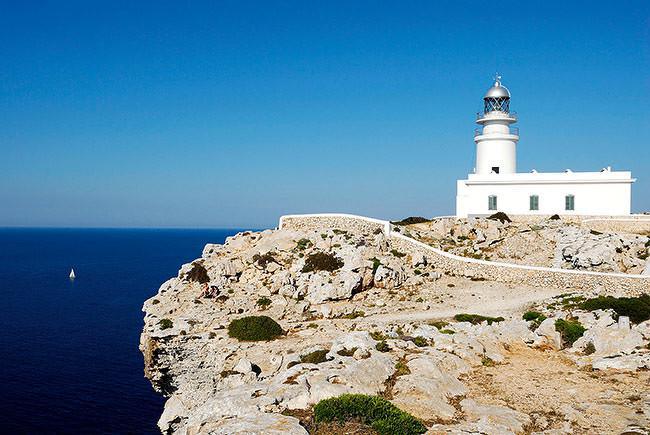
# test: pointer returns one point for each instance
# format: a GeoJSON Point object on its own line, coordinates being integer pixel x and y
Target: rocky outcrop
{"type": "Point", "coordinates": [365, 315]}
{"type": "Point", "coordinates": [557, 243]}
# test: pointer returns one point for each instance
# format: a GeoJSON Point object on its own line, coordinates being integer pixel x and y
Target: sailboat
{"type": "Point", "coordinates": [72, 275]}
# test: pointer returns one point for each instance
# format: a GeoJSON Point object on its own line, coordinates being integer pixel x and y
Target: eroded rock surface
{"type": "Point", "coordinates": [377, 318]}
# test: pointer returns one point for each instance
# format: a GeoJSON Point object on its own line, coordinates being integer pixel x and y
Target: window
{"type": "Point", "coordinates": [534, 202]}
{"type": "Point", "coordinates": [569, 202]}
{"type": "Point", "coordinates": [492, 202]}
{"type": "Point", "coordinates": [495, 169]}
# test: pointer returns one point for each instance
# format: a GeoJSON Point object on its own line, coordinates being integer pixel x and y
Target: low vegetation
{"type": "Point", "coordinates": [411, 220]}
{"type": "Point", "coordinates": [420, 341]}
{"type": "Point", "coordinates": [347, 352]}
{"type": "Point", "coordinates": [263, 302]}
{"type": "Point", "coordinates": [500, 216]}
{"type": "Point", "coordinates": [397, 253]}
{"type": "Point", "coordinates": [254, 328]}
{"type": "Point", "coordinates": [636, 308]}
{"type": "Point", "coordinates": [315, 357]}
{"type": "Point", "coordinates": [476, 319]}
{"type": "Point", "coordinates": [570, 330]}
{"type": "Point", "coordinates": [353, 315]}
{"type": "Point", "coordinates": [375, 264]}
{"type": "Point", "coordinates": [535, 317]}
{"type": "Point", "coordinates": [198, 273]}
{"type": "Point", "coordinates": [264, 260]}
{"type": "Point", "coordinates": [555, 217]}
{"type": "Point", "coordinates": [303, 244]}
{"type": "Point", "coordinates": [401, 369]}
{"type": "Point", "coordinates": [382, 346]}
{"type": "Point", "coordinates": [374, 411]}
{"type": "Point", "coordinates": [322, 261]}
{"type": "Point", "coordinates": [165, 324]}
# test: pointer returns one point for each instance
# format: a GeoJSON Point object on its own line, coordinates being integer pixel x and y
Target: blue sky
{"type": "Point", "coordinates": [229, 114]}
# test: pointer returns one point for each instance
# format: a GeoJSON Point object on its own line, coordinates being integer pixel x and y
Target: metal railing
{"type": "Point", "coordinates": [513, 130]}
{"type": "Point", "coordinates": [496, 114]}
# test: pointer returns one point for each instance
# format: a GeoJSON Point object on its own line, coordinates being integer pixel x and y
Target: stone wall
{"type": "Point", "coordinates": [613, 283]}
{"type": "Point", "coordinates": [334, 221]}
{"type": "Point", "coordinates": [629, 225]}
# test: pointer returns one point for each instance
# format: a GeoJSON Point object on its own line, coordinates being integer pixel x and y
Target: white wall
{"type": "Point", "coordinates": [496, 146]}
{"type": "Point", "coordinates": [609, 196]}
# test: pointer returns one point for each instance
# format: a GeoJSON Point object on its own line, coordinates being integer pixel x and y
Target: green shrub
{"type": "Point", "coordinates": [447, 331]}
{"type": "Point", "coordinates": [636, 308]}
{"type": "Point", "coordinates": [264, 260]}
{"type": "Point", "coordinates": [555, 217]}
{"type": "Point", "coordinates": [476, 319]}
{"type": "Point", "coordinates": [378, 231]}
{"type": "Point", "coordinates": [532, 315]}
{"type": "Point", "coordinates": [397, 254]}
{"type": "Point", "coordinates": [322, 261]}
{"type": "Point", "coordinates": [315, 357]}
{"type": "Point", "coordinates": [377, 335]}
{"type": "Point", "coordinates": [379, 413]}
{"type": "Point", "coordinates": [570, 330]}
{"type": "Point", "coordinates": [535, 317]}
{"type": "Point", "coordinates": [166, 324]}
{"type": "Point", "coordinates": [375, 264]}
{"type": "Point", "coordinates": [401, 368]}
{"type": "Point", "coordinates": [353, 315]}
{"type": "Point", "coordinates": [347, 352]}
{"type": "Point", "coordinates": [440, 324]}
{"type": "Point", "coordinates": [303, 244]}
{"type": "Point", "coordinates": [263, 302]}
{"type": "Point", "coordinates": [589, 348]}
{"type": "Point", "coordinates": [487, 361]}
{"type": "Point", "coordinates": [500, 216]}
{"type": "Point", "coordinates": [420, 341]}
{"type": "Point", "coordinates": [254, 328]}
{"type": "Point", "coordinates": [411, 220]}
{"type": "Point", "coordinates": [382, 346]}
{"type": "Point", "coordinates": [198, 273]}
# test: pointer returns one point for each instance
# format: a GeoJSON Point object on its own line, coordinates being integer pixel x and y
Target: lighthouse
{"type": "Point", "coordinates": [495, 185]}
{"type": "Point", "coordinates": [496, 141]}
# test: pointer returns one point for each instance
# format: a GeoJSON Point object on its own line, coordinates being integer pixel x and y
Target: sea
{"type": "Point", "coordinates": [70, 360]}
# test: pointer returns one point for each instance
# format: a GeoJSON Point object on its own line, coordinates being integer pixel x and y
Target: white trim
{"type": "Point", "coordinates": [389, 233]}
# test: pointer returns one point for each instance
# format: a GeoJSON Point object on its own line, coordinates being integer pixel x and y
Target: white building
{"type": "Point", "coordinates": [496, 185]}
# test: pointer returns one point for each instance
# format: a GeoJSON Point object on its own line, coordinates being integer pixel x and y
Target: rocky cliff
{"type": "Point", "coordinates": [359, 316]}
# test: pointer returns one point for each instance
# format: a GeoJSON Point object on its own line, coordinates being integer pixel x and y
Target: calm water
{"type": "Point", "coordinates": [70, 359]}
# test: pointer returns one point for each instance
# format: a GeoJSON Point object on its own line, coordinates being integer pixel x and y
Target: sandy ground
{"type": "Point", "coordinates": [547, 385]}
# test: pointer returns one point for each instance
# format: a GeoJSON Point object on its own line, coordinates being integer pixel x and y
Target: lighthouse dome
{"type": "Point", "coordinates": [497, 91]}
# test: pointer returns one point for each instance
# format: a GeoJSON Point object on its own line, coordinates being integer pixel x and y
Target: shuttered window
{"type": "Point", "coordinates": [492, 202]}
{"type": "Point", "coordinates": [534, 202]}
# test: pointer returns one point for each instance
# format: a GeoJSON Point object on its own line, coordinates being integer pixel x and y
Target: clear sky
{"type": "Point", "coordinates": [229, 114]}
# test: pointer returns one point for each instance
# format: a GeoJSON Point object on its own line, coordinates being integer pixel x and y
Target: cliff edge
{"type": "Point", "coordinates": [249, 337]}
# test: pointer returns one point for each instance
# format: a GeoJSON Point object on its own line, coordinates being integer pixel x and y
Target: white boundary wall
{"type": "Point", "coordinates": [490, 270]}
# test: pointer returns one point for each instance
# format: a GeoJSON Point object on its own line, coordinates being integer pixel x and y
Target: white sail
{"type": "Point", "coordinates": [72, 275]}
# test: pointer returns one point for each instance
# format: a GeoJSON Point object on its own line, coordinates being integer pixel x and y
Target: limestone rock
{"type": "Point", "coordinates": [611, 340]}
{"type": "Point", "coordinates": [548, 336]}
{"type": "Point", "coordinates": [510, 420]}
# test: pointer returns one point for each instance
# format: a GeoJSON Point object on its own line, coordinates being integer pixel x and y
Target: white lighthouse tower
{"type": "Point", "coordinates": [496, 142]}
{"type": "Point", "coordinates": [495, 185]}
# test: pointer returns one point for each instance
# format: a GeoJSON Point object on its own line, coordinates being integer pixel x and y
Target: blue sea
{"type": "Point", "coordinates": [70, 359]}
